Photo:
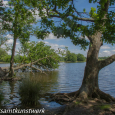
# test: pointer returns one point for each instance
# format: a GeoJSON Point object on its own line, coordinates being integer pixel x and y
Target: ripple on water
{"type": "Point", "coordinates": [66, 79]}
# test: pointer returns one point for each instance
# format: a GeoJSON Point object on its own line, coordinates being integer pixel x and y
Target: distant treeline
{"type": "Point", "coordinates": [72, 57]}
{"type": "Point", "coordinates": [102, 58]}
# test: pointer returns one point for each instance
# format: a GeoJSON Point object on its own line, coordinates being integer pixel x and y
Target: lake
{"type": "Point", "coordinates": [67, 78]}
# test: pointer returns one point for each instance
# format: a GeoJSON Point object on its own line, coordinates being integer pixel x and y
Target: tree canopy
{"type": "Point", "coordinates": [18, 19]}
{"type": "Point", "coordinates": [37, 56]}
{"type": "Point", "coordinates": [80, 57]}
{"type": "Point", "coordinates": [70, 25]}
{"type": "Point", "coordinates": [99, 30]}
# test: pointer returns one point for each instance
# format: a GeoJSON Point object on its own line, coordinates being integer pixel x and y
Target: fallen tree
{"type": "Point", "coordinates": [36, 56]}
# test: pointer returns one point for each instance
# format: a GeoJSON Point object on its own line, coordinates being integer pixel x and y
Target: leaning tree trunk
{"type": "Point", "coordinates": [12, 59]}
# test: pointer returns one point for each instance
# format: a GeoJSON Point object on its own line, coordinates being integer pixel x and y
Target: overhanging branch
{"type": "Point", "coordinates": [106, 62]}
{"type": "Point", "coordinates": [66, 15]}
{"type": "Point", "coordinates": [77, 18]}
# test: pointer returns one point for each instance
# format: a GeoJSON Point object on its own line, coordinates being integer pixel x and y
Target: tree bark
{"type": "Point", "coordinates": [90, 80]}
{"type": "Point", "coordinates": [90, 87]}
{"type": "Point", "coordinates": [11, 74]}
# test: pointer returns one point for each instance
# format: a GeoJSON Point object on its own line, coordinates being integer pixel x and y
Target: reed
{"type": "Point", "coordinates": [1, 97]}
{"type": "Point", "coordinates": [29, 90]}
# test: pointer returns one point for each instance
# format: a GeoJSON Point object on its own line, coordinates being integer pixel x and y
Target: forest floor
{"type": "Point", "coordinates": [89, 107]}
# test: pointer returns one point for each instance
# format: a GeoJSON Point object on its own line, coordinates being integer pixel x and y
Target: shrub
{"type": "Point", "coordinates": [29, 90]}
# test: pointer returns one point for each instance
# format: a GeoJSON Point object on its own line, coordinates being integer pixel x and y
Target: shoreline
{"type": "Point", "coordinates": [86, 107]}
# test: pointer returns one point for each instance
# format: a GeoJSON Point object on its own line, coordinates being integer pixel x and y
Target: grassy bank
{"type": "Point", "coordinates": [3, 62]}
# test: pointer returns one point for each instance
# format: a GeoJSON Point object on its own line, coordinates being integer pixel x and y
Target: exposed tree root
{"type": "Point", "coordinates": [105, 96]}
{"type": "Point", "coordinates": [64, 97]}
{"type": "Point", "coordinates": [69, 97]}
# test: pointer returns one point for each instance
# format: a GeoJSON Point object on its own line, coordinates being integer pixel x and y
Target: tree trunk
{"type": "Point", "coordinates": [90, 80]}
{"type": "Point", "coordinates": [90, 87]}
{"type": "Point", "coordinates": [11, 74]}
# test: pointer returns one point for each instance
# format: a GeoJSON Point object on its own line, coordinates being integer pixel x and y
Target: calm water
{"type": "Point", "coordinates": [67, 78]}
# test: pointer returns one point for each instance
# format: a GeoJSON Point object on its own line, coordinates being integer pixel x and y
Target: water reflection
{"type": "Point", "coordinates": [67, 78]}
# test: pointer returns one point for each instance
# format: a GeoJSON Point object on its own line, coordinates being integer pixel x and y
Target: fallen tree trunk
{"type": "Point", "coordinates": [4, 71]}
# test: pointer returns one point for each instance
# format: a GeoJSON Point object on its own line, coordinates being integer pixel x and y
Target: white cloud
{"type": "Point", "coordinates": [105, 47]}
{"type": "Point", "coordinates": [113, 50]}
{"type": "Point", "coordinates": [76, 51]}
{"type": "Point", "coordinates": [106, 51]}
{"type": "Point", "coordinates": [5, 3]}
{"type": "Point", "coordinates": [36, 14]}
{"type": "Point", "coordinates": [81, 37]}
{"type": "Point", "coordinates": [10, 41]}
{"type": "Point", "coordinates": [9, 36]}
{"type": "Point", "coordinates": [55, 46]}
{"type": "Point", "coordinates": [51, 36]}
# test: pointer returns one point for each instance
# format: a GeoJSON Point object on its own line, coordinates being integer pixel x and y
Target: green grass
{"type": "Point", "coordinates": [104, 107]}
{"type": "Point", "coordinates": [4, 62]}
{"type": "Point", "coordinates": [29, 90]}
{"type": "Point", "coordinates": [77, 102]}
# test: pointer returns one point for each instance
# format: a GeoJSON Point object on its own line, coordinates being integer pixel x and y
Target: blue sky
{"type": "Point", "coordinates": [106, 49]}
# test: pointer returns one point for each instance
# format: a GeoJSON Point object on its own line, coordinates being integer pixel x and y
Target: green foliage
{"type": "Point", "coordinates": [29, 90]}
{"type": "Point", "coordinates": [6, 58]}
{"type": "Point", "coordinates": [2, 38]}
{"type": "Point", "coordinates": [3, 54]}
{"type": "Point", "coordinates": [69, 26]}
{"type": "Point", "coordinates": [18, 20]}
{"type": "Point", "coordinates": [70, 56]}
{"type": "Point", "coordinates": [80, 57]}
{"type": "Point", "coordinates": [33, 51]}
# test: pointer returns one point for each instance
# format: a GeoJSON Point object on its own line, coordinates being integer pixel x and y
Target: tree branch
{"type": "Point", "coordinates": [106, 62]}
{"type": "Point", "coordinates": [78, 18]}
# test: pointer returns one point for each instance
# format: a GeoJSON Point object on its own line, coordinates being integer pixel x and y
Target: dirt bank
{"type": "Point", "coordinates": [87, 107]}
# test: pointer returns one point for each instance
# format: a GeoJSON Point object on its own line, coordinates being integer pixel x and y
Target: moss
{"type": "Point", "coordinates": [77, 102]}
{"type": "Point", "coordinates": [104, 107]}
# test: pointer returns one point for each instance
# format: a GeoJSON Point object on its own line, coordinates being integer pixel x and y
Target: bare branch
{"type": "Point", "coordinates": [41, 59]}
{"type": "Point", "coordinates": [25, 65]}
{"type": "Point", "coordinates": [43, 66]}
{"type": "Point", "coordinates": [37, 69]}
